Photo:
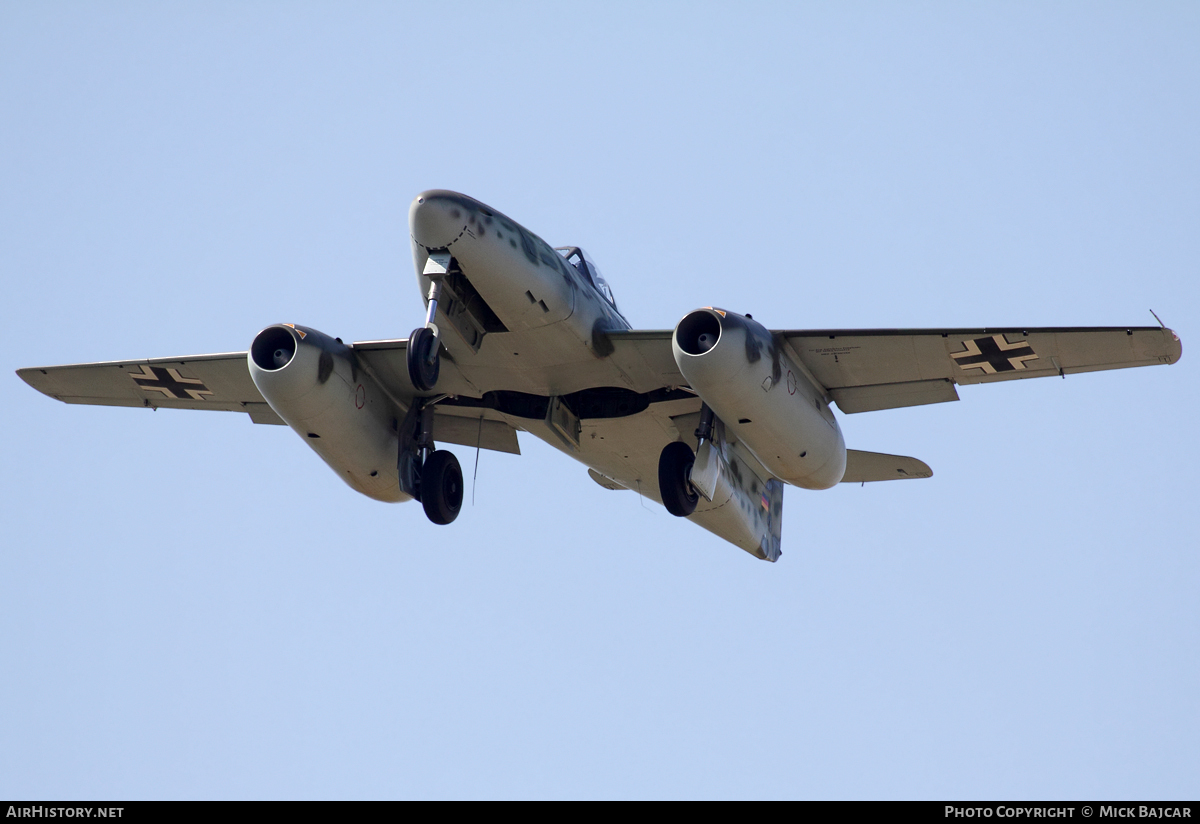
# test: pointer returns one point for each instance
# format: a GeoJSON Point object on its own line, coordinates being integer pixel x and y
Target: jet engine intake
{"type": "Point", "coordinates": [763, 397]}
{"type": "Point", "coordinates": [313, 382]}
{"type": "Point", "coordinates": [273, 348]}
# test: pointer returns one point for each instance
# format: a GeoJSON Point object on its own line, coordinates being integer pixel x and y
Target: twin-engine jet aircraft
{"type": "Point", "coordinates": [711, 418]}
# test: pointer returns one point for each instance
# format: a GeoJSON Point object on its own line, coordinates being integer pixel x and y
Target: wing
{"type": "Point", "coordinates": [645, 359]}
{"type": "Point", "coordinates": [873, 369]}
{"type": "Point", "coordinates": [870, 369]}
{"type": "Point", "coordinates": [222, 382]}
{"type": "Point", "coordinates": [215, 382]}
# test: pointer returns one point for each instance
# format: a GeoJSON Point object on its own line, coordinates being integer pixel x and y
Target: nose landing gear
{"type": "Point", "coordinates": [424, 365]}
{"type": "Point", "coordinates": [424, 345]}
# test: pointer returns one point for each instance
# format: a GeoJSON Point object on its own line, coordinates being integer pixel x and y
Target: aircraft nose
{"type": "Point", "coordinates": [436, 219]}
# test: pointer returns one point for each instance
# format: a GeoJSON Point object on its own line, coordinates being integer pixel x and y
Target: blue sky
{"type": "Point", "coordinates": [196, 607]}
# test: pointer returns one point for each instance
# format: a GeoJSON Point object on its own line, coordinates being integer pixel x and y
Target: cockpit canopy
{"type": "Point", "coordinates": [584, 263]}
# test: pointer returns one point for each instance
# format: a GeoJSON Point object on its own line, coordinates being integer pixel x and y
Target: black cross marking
{"type": "Point", "coordinates": [994, 354]}
{"type": "Point", "coordinates": [170, 383]}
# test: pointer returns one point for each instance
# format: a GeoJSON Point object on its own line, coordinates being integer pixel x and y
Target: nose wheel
{"type": "Point", "coordinates": [424, 364]}
{"type": "Point", "coordinates": [674, 468]}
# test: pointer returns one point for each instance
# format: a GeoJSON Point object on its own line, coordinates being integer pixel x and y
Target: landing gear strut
{"type": "Point", "coordinates": [431, 476]}
{"type": "Point", "coordinates": [424, 344]}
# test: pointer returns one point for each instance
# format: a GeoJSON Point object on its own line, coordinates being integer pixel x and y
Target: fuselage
{"type": "Point", "coordinates": [553, 315]}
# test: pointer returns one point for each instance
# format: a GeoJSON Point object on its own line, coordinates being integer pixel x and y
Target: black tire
{"type": "Point", "coordinates": [441, 487]}
{"type": "Point", "coordinates": [674, 466]}
{"type": "Point", "coordinates": [421, 371]}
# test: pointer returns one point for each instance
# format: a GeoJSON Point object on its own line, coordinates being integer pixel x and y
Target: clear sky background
{"type": "Point", "coordinates": [197, 607]}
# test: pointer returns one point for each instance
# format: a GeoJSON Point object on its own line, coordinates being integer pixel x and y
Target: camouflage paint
{"type": "Point", "coordinates": [789, 429]}
{"type": "Point", "coordinates": [339, 412]}
{"type": "Point", "coordinates": [488, 246]}
{"type": "Point", "coordinates": [741, 490]}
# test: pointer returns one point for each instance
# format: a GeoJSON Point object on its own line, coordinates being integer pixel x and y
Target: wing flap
{"type": "Point", "coordinates": [475, 429]}
{"type": "Point", "coordinates": [605, 481]}
{"type": "Point", "coordinates": [263, 413]}
{"type": "Point", "coordinates": [894, 395]}
{"type": "Point", "coordinates": [864, 467]}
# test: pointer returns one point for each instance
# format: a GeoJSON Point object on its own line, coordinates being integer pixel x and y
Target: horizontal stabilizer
{"type": "Point", "coordinates": [875, 466]}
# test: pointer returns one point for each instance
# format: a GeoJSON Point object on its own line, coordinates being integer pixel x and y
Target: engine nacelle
{"type": "Point", "coordinates": [752, 384]}
{"type": "Point", "coordinates": [312, 381]}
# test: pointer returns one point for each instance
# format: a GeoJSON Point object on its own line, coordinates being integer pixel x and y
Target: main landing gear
{"type": "Point", "coordinates": [441, 487]}
{"type": "Point", "coordinates": [676, 465]}
{"type": "Point", "coordinates": [431, 476]}
{"type": "Point", "coordinates": [674, 468]}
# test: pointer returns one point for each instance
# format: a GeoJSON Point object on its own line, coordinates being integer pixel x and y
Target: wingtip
{"type": "Point", "coordinates": [35, 377]}
{"type": "Point", "coordinates": [1176, 351]}
{"type": "Point", "coordinates": [26, 374]}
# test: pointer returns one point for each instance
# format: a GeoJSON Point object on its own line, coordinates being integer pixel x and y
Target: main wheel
{"type": "Point", "coordinates": [674, 466]}
{"type": "Point", "coordinates": [423, 368]}
{"type": "Point", "coordinates": [441, 487]}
